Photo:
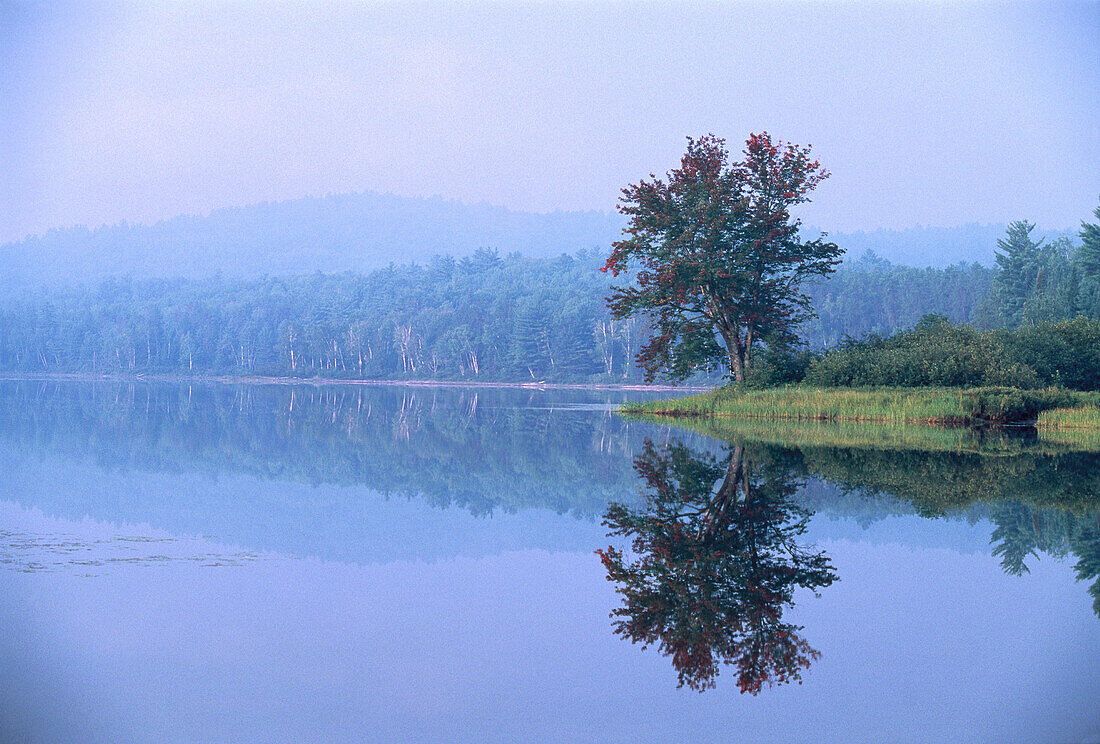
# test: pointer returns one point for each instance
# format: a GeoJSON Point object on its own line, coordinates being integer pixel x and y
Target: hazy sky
{"type": "Point", "coordinates": [929, 114]}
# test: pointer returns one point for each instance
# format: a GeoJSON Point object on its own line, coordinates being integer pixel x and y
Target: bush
{"type": "Point", "coordinates": [936, 352]}
{"type": "Point", "coordinates": [1012, 406]}
{"type": "Point", "coordinates": [1064, 353]}
{"type": "Point", "coordinates": [778, 366]}
{"type": "Point", "coordinates": [939, 353]}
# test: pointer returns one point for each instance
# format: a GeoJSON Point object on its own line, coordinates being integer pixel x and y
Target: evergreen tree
{"type": "Point", "coordinates": [1018, 259]}
{"type": "Point", "coordinates": [1087, 262]}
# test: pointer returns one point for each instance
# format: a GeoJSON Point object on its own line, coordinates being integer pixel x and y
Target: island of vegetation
{"type": "Point", "coordinates": [719, 268]}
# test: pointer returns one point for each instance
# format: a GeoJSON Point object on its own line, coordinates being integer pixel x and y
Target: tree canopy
{"type": "Point", "coordinates": [1088, 263]}
{"type": "Point", "coordinates": [720, 261]}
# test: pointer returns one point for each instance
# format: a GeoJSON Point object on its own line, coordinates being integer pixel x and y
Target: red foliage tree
{"type": "Point", "coordinates": [718, 255]}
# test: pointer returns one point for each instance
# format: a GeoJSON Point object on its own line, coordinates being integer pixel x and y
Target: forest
{"type": "Point", "coordinates": [488, 317]}
{"type": "Point", "coordinates": [485, 317]}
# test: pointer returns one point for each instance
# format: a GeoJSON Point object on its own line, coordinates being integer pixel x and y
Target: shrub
{"type": "Point", "coordinates": [936, 352]}
{"type": "Point", "coordinates": [1063, 353]}
{"type": "Point", "coordinates": [778, 366]}
{"type": "Point", "coordinates": [1012, 406]}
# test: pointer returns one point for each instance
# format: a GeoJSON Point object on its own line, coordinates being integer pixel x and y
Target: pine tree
{"type": "Point", "coordinates": [1020, 270]}
{"type": "Point", "coordinates": [1087, 262]}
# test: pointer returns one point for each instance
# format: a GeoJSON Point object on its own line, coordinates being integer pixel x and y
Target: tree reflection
{"type": "Point", "coordinates": [1022, 531]}
{"type": "Point", "coordinates": [712, 569]}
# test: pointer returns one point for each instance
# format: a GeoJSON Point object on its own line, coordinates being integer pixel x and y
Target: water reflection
{"type": "Point", "coordinates": [714, 561]}
{"type": "Point", "coordinates": [1041, 497]}
{"type": "Point", "coordinates": [132, 452]}
{"type": "Point", "coordinates": [447, 542]}
{"type": "Point", "coordinates": [1023, 531]}
{"type": "Point", "coordinates": [715, 556]}
{"type": "Point", "coordinates": [480, 450]}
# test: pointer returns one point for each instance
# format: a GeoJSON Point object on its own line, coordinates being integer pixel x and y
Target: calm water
{"type": "Point", "coordinates": [215, 563]}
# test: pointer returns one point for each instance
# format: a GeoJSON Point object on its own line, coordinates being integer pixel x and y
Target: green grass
{"type": "Point", "coordinates": [1052, 408]}
{"type": "Point", "coordinates": [1085, 415]}
{"type": "Point", "coordinates": [885, 436]}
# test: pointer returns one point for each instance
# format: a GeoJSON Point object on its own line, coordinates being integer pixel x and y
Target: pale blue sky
{"type": "Point", "coordinates": [929, 114]}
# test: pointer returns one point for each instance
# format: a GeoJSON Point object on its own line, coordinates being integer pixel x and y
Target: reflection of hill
{"type": "Point", "coordinates": [351, 524]}
{"type": "Point", "coordinates": [496, 449]}
{"type": "Point", "coordinates": [483, 451]}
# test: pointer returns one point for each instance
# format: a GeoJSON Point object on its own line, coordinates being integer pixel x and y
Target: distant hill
{"type": "Point", "coordinates": [348, 232]}
{"type": "Point", "coordinates": [364, 231]}
{"type": "Point", "coordinates": [934, 246]}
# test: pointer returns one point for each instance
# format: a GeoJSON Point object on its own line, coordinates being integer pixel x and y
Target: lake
{"type": "Point", "coordinates": [185, 562]}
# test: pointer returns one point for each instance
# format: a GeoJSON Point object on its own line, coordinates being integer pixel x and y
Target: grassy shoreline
{"type": "Point", "coordinates": [991, 441]}
{"type": "Point", "coordinates": [1051, 408]}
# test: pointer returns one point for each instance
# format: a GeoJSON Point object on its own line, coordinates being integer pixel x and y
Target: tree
{"type": "Point", "coordinates": [721, 261]}
{"type": "Point", "coordinates": [1088, 262]}
{"type": "Point", "coordinates": [1020, 275]}
{"type": "Point", "coordinates": [1089, 252]}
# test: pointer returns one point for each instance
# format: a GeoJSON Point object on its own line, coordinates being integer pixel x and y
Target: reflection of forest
{"type": "Point", "coordinates": [714, 555]}
{"type": "Point", "coordinates": [517, 449]}
{"type": "Point", "coordinates": [479, 450]}
{"type": "Point", "coordinates": [1038, 501]}
{"type": "Point", "coordinates": [714, 561]}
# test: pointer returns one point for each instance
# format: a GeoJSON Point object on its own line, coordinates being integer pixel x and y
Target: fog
{"type": "Point", "coordinates": [925, 114]}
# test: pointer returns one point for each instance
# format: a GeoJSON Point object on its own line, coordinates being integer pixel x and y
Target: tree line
{"type": "Point", "coordinates": [486, 317]}
{"type": "Point", "coordinates": [516, 318]}
{"type": "Point", "coordinates": [479, 318]}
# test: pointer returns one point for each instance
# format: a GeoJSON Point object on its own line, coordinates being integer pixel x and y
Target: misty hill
{"type": "Point", "coordinates": [365, 231]}
{"type": "Point", "coordinates": [934, 246]}
{"type": "Point", "coordinates": [347, 232]}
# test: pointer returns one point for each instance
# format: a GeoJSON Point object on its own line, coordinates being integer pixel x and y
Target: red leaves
{"type": "Point", "coordinates": [720, 246]}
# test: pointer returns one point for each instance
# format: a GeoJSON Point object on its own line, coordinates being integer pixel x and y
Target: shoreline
{"type": "Point", "coordinates": [929, 406]}
{"type": "Point", "coordinates": [320, 381]}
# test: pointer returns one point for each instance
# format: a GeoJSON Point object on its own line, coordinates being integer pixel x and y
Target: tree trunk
{"type": "Point", "coordinates": [737, 365]}
{"type": "Point", "coordinates": [736, 351]}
